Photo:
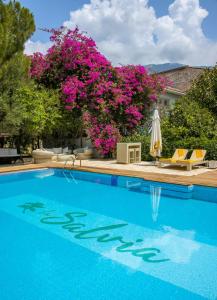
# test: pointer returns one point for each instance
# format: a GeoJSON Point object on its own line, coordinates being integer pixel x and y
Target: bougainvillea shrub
{"type": "Point", "coordinates": [113, 101]}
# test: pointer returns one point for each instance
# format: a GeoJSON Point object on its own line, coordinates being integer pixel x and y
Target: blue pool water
{"type": "Point", "coordinates": [77, 235]}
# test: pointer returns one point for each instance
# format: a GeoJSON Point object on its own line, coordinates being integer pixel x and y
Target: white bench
{"type": "Point", "coordinates": [9, 155]}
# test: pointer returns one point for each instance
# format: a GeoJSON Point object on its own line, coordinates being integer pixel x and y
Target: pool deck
{"type": "Point", "coordinates": [207, 177]}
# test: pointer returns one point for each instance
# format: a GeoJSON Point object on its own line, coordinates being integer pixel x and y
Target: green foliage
{"type": "Point", "coordinates": [189, 126]}
{"type": "Point", "coordinates": [16, 27]}
{"type": "Point", "coordinates": [186, 126]}
{"type": "Point", "coordinates": [211, 147]}
{"type": "Point", "coordinates": [204, 90]}
{"type": "Point", "coordinates": [27, 111]}
{"type": "Point", "coordinates": [192, 122]}
{"type": "Point", "coordinates": [34, 111]}
{"type": "Point", "coordinates": [13, 74]}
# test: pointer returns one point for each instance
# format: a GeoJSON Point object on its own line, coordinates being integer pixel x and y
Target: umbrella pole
{"type": "Point", "coordinates": [157, 160]}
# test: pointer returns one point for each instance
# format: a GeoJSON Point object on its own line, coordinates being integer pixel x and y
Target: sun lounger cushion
{"type": "Point", "coordinates": [199, 153]}
{"type": "Point", "coordinates": [169, 160]}
{"type": "Point", "coordinates": [188, 161]}
{"type": "Point", "coordinates": [181, 152]}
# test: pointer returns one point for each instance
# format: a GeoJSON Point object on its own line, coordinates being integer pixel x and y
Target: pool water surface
{"type": "Point", "coordinates": [71, 235]}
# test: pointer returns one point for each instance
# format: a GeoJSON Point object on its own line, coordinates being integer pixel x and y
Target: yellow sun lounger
{"type": "Point", "coordinates": [179, 154]}
{"type": "Point", "coordinates": [197, 158]}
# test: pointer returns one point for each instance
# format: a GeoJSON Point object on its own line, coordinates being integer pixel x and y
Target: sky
{"type": "Point", "coordinates": [134, 31]}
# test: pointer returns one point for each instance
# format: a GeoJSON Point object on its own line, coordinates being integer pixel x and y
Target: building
{"type": "Point", "coordinates": [181, 78]}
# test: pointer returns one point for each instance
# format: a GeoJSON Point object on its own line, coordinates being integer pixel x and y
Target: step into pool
{"type": "Point", "coordinates": [72, 235]}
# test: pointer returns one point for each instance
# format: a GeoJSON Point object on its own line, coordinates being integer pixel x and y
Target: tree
{"type": "Point", "coordinates": [192, 122]}
{"type": "Point", "coordinates": [33, 112]}
{"type": "Point", "coordinates": [112, 101]}
{"type": "Point", "coordinates": [190, 126]}
{"type": "Point", "coordinates": [16, 27]}
{"type": "Point", "coordinates": [204, 90]}
{"type": "Point", "coordinates": [13, 74]}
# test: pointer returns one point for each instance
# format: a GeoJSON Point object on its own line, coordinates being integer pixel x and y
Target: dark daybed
{"type": "Point", "coordinates": [9, 155]}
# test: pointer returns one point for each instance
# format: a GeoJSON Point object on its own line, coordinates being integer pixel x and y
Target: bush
{"type": "Point", "coordinates": [204, 90]}
{"type": "Point", "coordinates": [191, 143]}
{"type": "Point", "coordinates": [189, 126]}
{"type": "Point", "coordinates": [211, 147]}
{"type": "Point", "coordinates": [186, 126]}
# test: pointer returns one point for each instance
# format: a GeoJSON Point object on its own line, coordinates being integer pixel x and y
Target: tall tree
{"type": "Point", "coordinates": [16, 27]}
{"type": "Point", "coordinates": [32, 112]}
{"type": "Point", "coordinates": [204, 90]}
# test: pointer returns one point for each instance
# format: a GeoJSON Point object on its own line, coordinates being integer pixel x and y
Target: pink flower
{"type": "Point", "coordinates": [112, 100]}
{"type": "Point", "coordinates": [68, 107]}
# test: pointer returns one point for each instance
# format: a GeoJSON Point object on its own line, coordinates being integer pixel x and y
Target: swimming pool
{"type": "Point", "coordinates": [78, 235]}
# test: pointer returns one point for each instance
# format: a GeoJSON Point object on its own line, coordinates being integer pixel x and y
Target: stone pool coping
{"type": "Point", "coordinates": [208, 178]}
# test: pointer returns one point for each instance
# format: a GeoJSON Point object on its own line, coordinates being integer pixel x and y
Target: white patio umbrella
{"type": "Point", "coordinates": [156, 139]}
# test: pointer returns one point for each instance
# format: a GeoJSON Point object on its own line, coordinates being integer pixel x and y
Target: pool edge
{"type": "Point", "coordinates": [199, 180]}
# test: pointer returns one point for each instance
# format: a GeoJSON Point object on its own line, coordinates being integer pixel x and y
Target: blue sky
{"type": "Point", "coordinates": [52, 13]}
{"type": "Point", "coordinates": [174, 30]}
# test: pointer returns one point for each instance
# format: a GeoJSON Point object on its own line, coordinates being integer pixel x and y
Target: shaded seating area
{"type": "Point", "coordinates": [42, 156]}
{"type": "Point", "coordinates": [61, 155]}
{"type": "Point", "coordinates": [52, 154]}
{"type": "Point", "coordinates": [59, 150]}
{"type": "Point", "coordinates": [9, 155]}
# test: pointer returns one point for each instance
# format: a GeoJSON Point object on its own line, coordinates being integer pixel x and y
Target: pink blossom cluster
{"type": "Point", "coordinates": [38, 65]}
{"type": "Point", "coordinates": [104, 136]}
{"type": "Point", "coordinates": [112, 100]}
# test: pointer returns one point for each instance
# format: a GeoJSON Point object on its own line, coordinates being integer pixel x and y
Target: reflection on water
{"type": "Point", "coordinates": [158, 253]}
{"type": "Point", "coordinates": [155, 192]}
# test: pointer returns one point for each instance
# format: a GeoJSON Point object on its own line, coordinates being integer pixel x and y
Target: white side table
{"type": "Point", "coordinates": [128, 153]}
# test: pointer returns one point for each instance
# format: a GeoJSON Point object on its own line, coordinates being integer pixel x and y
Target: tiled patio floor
{"type": "Point", "coordinates": [147, 167]}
